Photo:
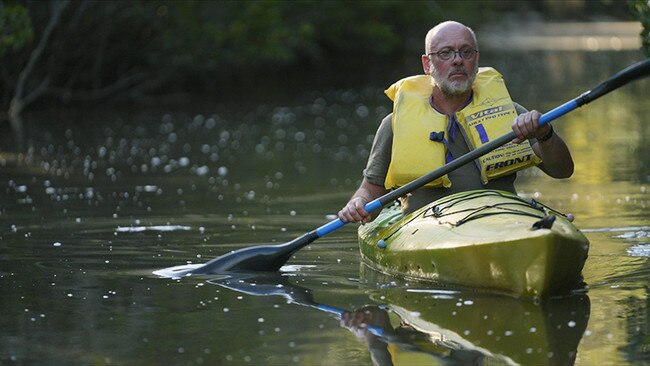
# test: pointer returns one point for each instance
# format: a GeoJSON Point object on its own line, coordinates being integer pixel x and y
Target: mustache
{"type": "Point", "coordinates": [457, 70]}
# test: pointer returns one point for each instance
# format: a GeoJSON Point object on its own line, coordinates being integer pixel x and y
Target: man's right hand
{"type": "Point", "coordinates": [354, 211]}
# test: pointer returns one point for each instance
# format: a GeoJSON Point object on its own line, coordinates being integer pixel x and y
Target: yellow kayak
{"type": "Point", "coordinates": [485, 239]}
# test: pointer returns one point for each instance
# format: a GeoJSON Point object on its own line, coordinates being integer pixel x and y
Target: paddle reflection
{"type": "Point", "coordinates": [428, 326]}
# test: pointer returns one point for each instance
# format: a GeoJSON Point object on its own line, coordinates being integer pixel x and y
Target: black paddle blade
{"type": "Point", "coordinates": [637, 71]}
{"type": "Point", "coordinates": [262, 258]}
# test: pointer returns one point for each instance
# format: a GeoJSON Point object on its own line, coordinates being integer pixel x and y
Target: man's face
{"type": "Point", "coordinates": [456, 75]}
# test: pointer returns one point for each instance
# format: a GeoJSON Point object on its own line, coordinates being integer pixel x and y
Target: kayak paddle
{"type": "Point", "coordinates": [272, 257]}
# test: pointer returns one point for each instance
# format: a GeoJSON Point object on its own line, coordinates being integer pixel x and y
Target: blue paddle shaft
{"type": "Point", "coordinates": [558, 112]}
{"type": "Point", "coordinates": [337, 224]}
{"type": "Point", "coordinates": [377, 204]}
{"type": "Point", "coordinates": [636, 71]}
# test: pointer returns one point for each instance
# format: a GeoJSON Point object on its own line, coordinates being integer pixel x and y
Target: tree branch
{"type": "Point", "coordinates": [57, 9]}
{"type": "Point", "coordinates": [87, 95]}
{"type": "Point", "coordinates": [20, 101]}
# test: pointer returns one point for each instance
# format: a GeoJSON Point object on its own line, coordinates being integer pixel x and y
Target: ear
{"type": "Point", "coordinates": [426, 65]}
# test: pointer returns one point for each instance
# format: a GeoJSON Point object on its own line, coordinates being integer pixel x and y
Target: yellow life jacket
{"type": "Point", "coordinates": [419, 147]}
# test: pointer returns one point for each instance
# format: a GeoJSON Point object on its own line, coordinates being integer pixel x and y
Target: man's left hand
{"type": "Point", "coordinates": [526, 126]}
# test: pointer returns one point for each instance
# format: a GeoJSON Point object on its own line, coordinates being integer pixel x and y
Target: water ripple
{"type": "Point", "coordinates": [616, 229]}
{"type": "Point", "coordinates": [639, 250]}
{"type": "Point", "coordinates": [139, 229]}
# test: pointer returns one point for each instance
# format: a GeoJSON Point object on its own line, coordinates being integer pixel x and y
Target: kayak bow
{"type": "Point", "coordinates": [485, 239]}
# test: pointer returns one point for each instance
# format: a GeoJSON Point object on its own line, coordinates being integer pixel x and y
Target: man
{"type": "Point", "coordinates": [454, 104]}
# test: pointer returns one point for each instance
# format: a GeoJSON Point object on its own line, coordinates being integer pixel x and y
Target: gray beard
{"type": "Point", "coordinates": [450, 89]}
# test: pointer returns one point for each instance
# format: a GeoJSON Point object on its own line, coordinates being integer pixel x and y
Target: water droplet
{"type": "Point", "coordinates": [362, 111]}
{"type": "Point", "coordinates": [202, 170]}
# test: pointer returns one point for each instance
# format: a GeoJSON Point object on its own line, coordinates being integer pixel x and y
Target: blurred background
{"type": "Point", "coordinates": [67, 54]}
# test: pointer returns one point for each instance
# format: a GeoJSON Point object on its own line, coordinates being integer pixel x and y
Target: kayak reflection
{"type": "Point", "coordinates": [500, 329]}
{"type": "Point", "coordinates": [438, 326]}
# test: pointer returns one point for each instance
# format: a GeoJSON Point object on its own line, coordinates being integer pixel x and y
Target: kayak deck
{"type": "Point", "coordinates": [482, 239]}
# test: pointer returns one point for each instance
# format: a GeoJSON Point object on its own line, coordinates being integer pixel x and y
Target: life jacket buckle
{"type": "Point", "coordinates": [437, 136]}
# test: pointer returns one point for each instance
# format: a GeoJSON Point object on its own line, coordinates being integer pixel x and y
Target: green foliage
{"type": "Point", "coordinates": [198, 46]}
{"type": "Point", "coordinates": [245, 35]}
{"type": "Point", "coordinates": [641, 9]}
{"type": "Point", "coordinates": [141, 49]}
{"type": "Point", "coordinates": [230, 34]}
{"type": "Point", "coordinates": [15, 28]}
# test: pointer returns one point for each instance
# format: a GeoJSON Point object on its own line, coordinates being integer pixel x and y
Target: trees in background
{"type": "Point", "coordinates": [27, 87]}
{"type": "Point", "coordinates": [151, 51]}
{"type": "Point", "coordinates": [155, 51]}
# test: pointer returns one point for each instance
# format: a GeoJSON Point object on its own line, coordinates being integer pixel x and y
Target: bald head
{"type": "Point", "coordinates": [447, 30]}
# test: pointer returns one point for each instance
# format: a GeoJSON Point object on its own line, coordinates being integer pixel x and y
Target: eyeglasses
{"type": "Point", "coordinates": [448, 53]}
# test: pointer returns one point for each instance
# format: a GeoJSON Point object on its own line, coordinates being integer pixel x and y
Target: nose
{"type": "Point", "coordinates": [457, 59]}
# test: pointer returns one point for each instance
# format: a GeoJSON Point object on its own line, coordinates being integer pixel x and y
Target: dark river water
{"type": "Point", "coordinates": [103, 198]}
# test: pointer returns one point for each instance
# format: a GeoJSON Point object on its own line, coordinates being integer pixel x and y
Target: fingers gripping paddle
{"type": "Point", "coordinates": [272, 257]}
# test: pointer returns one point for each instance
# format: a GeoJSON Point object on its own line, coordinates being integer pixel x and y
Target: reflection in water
{"type": "Point", "coordinates": [637, 329]}
{"type": "Point", "coordinates": [567, 36]}
{"type": "Point", "coordinates": [421, 326]}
